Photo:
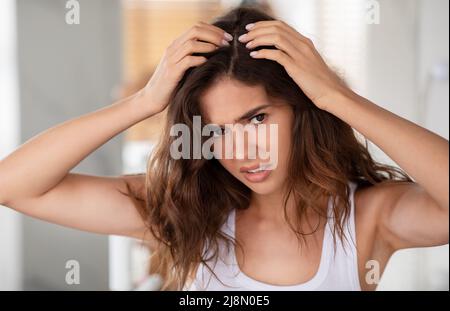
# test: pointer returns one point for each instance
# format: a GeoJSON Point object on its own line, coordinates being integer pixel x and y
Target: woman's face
{"type": "Point", "coordinates": [230, 102]}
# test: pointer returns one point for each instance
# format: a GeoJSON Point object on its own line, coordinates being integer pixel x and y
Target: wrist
{"type": "Point", "coordinates": [338, 100]}
{"type": "Point", "coordinates": [137, 107]}
{"type": "Point", "coordinates": [143, 105]}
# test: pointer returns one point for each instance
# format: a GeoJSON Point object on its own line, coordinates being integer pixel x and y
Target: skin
{"type": "Point", "coordinates": [227, 101]}
{"type": "Point", "coordinates": [388, 217]}
{"type": "Point", "coordinates": [36, 180]}
{"type": "Point", "coordinates": [272, 250]}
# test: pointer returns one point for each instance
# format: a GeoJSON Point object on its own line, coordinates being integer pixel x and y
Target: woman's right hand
{"type": "Point", "coordinates": [40, 191]}
{"type": "Point", "coordinates": [177, 59]}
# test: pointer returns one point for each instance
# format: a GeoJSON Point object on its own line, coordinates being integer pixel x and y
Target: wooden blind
{"type": "Point", "coordinates": [149, 27]}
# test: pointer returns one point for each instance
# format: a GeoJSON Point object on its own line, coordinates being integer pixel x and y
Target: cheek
{"type": "Point", "coordinates": [229, 165]}
{"type": "Point", "coordinates": [233, 167]}
{"type": "Point", "coordinates": [281, 143]}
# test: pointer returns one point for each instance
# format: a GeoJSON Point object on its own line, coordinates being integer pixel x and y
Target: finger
{"type": "Point", "coordinates": [205, 33]}
{"type": "Point", "coordinates": [276, 26]}
{"type": "Point", "coordinates": [192, 61]}
{"type": "Point", "coordinates": [273, 25]}
{"type": "Point", "coordinates": [279, 34]}
{"type": "Point", "coordinates": [193, 46]}
{"type": "Point", "coordinates": [276, 55]}
{"type": "Point", "coordinates": [280, 41]}
{"type": "Point", "coordinates": [219, 30]}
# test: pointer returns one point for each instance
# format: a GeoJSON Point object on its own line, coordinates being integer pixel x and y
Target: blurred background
{"type": "Point", "coordinates": [56, 64]}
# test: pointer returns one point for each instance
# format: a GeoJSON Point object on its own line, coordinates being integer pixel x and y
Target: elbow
{"type": "Point", "coordinates": [3, 191]}
{"type": "Point", "coordinates": [2, 197]}
{"type": "Point", "coordinates": [7, 195]}
{"type": "Point", "coordinates": [444, 207]}
{"type": "Point", "coordinates": [3, 200]}
{"type": "Point", "coordinates": [445, 225]}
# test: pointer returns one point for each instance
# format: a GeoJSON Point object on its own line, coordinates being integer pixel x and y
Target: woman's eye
{"type": "Point", "coordinates": [258, 118]}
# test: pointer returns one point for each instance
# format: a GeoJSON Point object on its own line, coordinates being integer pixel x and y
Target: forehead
{"type": "Point", "coordinates": [229, 99]}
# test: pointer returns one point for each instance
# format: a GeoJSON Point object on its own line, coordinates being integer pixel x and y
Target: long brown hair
{"type": "Point", "coordinates": [188, 200]}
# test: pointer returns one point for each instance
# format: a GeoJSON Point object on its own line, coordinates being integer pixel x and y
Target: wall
{"type": "Point", "coordinates": [10, 221]}
{"type": "Point", "coordinates": [412, 36]}
{"type": "Point", "coordinates": [66, 71]}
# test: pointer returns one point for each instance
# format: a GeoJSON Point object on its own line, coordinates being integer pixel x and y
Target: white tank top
{"type": "Point", "coordinates": [338, 270]}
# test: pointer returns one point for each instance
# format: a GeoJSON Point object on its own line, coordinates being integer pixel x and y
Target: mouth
{"type": "Point", "coordinates": [256, 173]}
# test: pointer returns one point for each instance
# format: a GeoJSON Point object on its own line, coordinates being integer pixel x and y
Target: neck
{"type": "Point", "coordinates": [270, 207]}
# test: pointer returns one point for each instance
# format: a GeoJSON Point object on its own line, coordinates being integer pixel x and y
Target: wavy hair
{"type": "Point", "coordinates": [188, 200]}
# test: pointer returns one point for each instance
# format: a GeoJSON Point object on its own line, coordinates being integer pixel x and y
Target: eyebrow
{"type": "Point", "coordinates": [251, 112]}
{"type": "Point", "coordinates": [246, 115]}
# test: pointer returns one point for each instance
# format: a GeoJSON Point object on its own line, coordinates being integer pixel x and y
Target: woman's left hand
{"type": "Point", "coordinates": [297, 54]}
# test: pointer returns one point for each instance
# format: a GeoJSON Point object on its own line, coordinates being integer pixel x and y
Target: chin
{"type": "Point", "coordinates": [263, 188]}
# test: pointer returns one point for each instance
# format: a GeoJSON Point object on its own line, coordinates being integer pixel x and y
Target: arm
{"type": "Point", "coordinates": [96, 204]}
{"type": "Point", "coordinates": [411, 214]}
{"type": "Point", "coordinates": [35, 179]}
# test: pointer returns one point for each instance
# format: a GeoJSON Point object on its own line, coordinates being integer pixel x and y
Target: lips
{"type": "Point", "coordinates": [245, 169]}
{"type": "Point", "coordinates": [258, 176]}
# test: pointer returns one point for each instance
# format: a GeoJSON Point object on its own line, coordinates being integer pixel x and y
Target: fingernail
{"type": "Point", "coordinates": [249, 26]}
{"type": "Point", "coordinates": [242, 37]}
{"type": "Point", "coordinates": [249, 44]}
{"type": "Point", "coordinates": [225, 42]}
{"type": "Point", "coordinates": [254, 53]}
{"type": "Point", "coordinates": [228, 36]}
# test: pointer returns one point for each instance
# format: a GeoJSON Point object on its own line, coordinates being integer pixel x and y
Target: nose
{"type": "Point", "coordinates": [248, 141]}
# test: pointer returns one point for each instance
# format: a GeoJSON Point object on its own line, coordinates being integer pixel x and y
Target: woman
{"type": "Point", "coordinates": [326, 217]}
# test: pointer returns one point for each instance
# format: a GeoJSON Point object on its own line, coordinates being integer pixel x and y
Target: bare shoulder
{"type": "Point", "coordinates": [137, 191]}
{"type": "Point", "coordinates": [395, 215]}
{"type": "Point", "coordinates": [370, 203]}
